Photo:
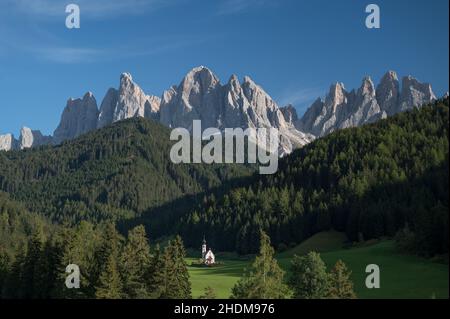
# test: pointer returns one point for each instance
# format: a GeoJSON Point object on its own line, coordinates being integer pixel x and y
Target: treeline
{"type": "Point", "coordinates": [33, 261]}
{"type": "Point", "coordinates": [116, 173]}
{"type": "Point", "coordinates": [370, 182]}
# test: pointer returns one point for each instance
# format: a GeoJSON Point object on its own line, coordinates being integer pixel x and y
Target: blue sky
{"type": "Point", "coordinates": [294, 49]}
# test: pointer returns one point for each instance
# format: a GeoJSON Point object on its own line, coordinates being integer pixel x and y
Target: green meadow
{"type": "Point", "coordinates": [402, 276]}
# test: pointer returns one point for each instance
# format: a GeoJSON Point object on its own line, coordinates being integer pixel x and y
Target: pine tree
{"type": "Point", "coordinates": [110, 285]}
{"type": "Point", "coordinates": [308, 277]}
{"type": "Point", "coordinates": [66, 246]}
{"type": "Point", "coordinates": [135, 264]}
{"type": "Point", "coordinates": [155, 277]}
{"type": "Point", "coordinates": [176, 284]}
{"type": "Point", "coordinates": [47, 270]}
{"type": "Point", "coordinates": [265, 278]}
{"type": "Point", "coordinates": [30, 273]}
{"type": "Point", "coordinates": [340, 285]}
{"type": "Point", "coordinates": [4, 271]}
{"type": "Point", "coordinates": [14, 281]}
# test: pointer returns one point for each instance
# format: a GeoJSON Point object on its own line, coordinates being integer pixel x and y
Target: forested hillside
{"type": "Point", "coordinates": [370, 181]}
{"type": "Point", "coordinates": [114, 173]}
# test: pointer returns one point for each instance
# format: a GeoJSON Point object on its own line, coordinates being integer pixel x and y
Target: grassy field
{"type": "Point", "coordinates": [402, 276]}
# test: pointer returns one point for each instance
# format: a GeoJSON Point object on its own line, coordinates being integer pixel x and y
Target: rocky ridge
{"type": "Point", "coordinates": [201, 96]}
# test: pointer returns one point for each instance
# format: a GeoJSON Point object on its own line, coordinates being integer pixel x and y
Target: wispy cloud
{"type": "Point", "coordinates": [68, 55]}
{"type": "Point", "coordinates": [300, 97]}
{"type": "Point", "coordinates": [238, 6]}
{"type": "Point", "coordinates": [89, 8]}
{"type": "Point", "coordinates": [40, 42]}
{"type": "Point", "coordinates": [75, 55]}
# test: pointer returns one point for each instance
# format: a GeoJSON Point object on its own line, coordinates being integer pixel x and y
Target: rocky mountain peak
{"type": "Point", "coordinates": [200, 96]}
{"type": "Point", "coordinates": [32, 138]}
{"type": "Point", "coordinates": [290, 114]}
{"type": "Point", "coordinates": [388, 92]}
{"type": "Point", "coordinates": [200, 78]}
{"type": "Point", "coordinates": [389, 76]}
{"type": "Point", "coordinates": [367, 87]}
{"type": "Point", "coordinates": [414, 93]}
{"type": "Point", "coordinates": [131, 101]}
{"type": "Point", "coordinates": [367, 104]}
{"type": "Point", "coordinates": [234, 83]}
{"type": "Point", "coordinates": [7, 142]}
{"type": "Point", "coordinates": [126, 77]}
{"type": "Point", "coordinates": [107, 108]}
{"type": "Point", "coordinates": [337, 96]}
{"type": "Point", "coordinates": [79, 116]}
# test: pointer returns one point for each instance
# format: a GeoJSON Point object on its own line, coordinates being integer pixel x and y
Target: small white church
{"type": "Point", "coordinates": [207, 255]}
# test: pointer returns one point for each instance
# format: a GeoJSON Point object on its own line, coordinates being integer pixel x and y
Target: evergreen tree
{"type": "Point", "coordinates": [340, 284]}
{"type": "Point", "coordinates": [4, 271]}
{"type": "Point", "coordinates": [176, 284]}
{"type": "Point", "coordinates": [14, 287]}
{"type": "Point", "coordinates": [156, 274]}
{"type": "Point", "coordinates": [135, 264]}
{"type": "Point", "coordinates": [47, 270]}
{"type": "Point", "coordinates": [308, 277]}
{"type": "Point", "coordinates": [109, 283]}
{"type": "Point", "coordinates": [65, 244]}
{"type": "Point", "coordinates": [265, 278]}
{"type": "Point", "coordinates": [30, 273]}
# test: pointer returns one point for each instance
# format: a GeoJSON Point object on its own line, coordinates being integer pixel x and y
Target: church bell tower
{"type": "Point", "coordinates": [204, 248]}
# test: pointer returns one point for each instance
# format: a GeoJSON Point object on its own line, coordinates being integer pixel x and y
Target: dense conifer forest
{"type": "Point", "coordinates": [370, 182]}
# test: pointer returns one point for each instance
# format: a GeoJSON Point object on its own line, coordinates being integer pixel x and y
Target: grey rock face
{"type": "Point", "coordinates": [290, 114]}
{"type": "Point", "coordinates": [200, 96]}
{"type": "Point", "coordinates": [7, 142]}
{"type": "Point", "coordinates": [30, 138]}
{"type": "Point", "coordinates": [133, 102]}
{"type": "Point", "coordinates": [197, 97]}
{"type": "Point", "coordinates": [415, 94]}
{"type": "Point", "coordinates": [342, 109]}
{"type": "Point", "coordinates": [362, 107]}
{"type": "Point", "coordinates": [388, 93]}
{"type": "Point", "coordinates": [127, 102]}
{"type": "Point", "coordinates": [107, 108]}
{"type": "Point", "coordinates": [323, 116]}
{"type": "Point", "coordinates": [79, 117]}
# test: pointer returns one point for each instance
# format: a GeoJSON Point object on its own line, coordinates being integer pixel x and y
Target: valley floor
{"type": "Point", "coordinates": [402, 276]}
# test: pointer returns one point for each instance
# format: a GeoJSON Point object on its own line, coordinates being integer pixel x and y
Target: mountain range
{"type": "Point", "coordinates": [201, 96]}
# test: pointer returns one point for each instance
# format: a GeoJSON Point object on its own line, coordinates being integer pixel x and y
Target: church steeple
{"type": "Point", "coordinates": [204, 247]}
